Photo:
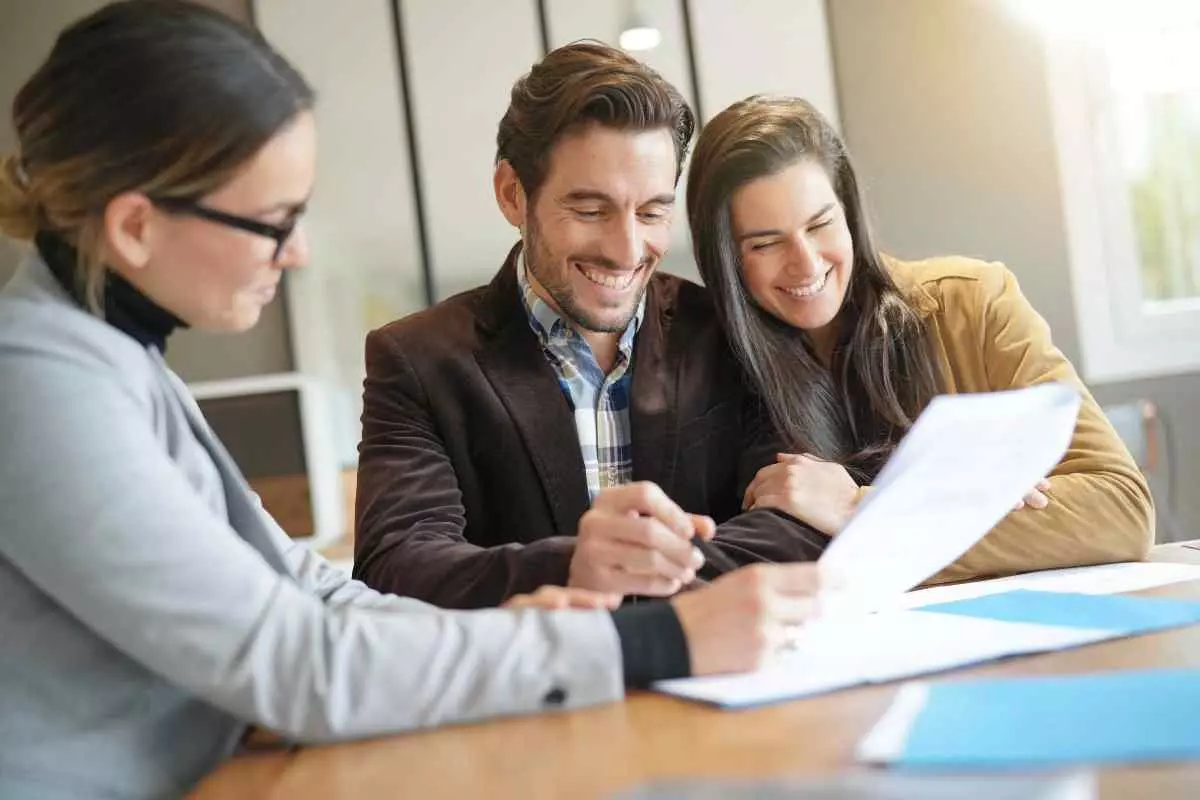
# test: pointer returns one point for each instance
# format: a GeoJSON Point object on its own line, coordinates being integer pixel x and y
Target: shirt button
{"type": "Point", "coordinates": [555, 697]}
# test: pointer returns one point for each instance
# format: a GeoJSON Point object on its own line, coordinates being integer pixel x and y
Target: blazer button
{"type": "Point", "coordinates": [555, 697]}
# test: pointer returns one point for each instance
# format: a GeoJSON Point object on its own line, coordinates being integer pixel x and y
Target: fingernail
{"type": "Point", "coordinates": [697, 558]}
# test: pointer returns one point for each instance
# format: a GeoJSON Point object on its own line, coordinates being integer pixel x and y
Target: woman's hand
{"type": "Point", "coordinates": [1036, 498]}
{"type": "Point", "coordinates": [819, 493]}
{"type": "Point", "coordinates": [555, 598]}
{"type": "Point", "coordinates": [746, 618]}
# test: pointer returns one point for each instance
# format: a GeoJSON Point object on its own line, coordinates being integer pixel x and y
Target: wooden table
{"type": "Point", "coordinates": [600, 751]}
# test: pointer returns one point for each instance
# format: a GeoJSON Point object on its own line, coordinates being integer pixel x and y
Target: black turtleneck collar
{"type": "Point", "coordinates": [125, 308]}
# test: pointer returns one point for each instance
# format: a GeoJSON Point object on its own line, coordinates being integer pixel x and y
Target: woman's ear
{"type": "Point", "coordinates": [129, 229]}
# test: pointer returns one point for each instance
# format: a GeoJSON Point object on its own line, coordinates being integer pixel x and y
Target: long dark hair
{"type": "Point", "coordinates": [883, 371]}
{"type": "Point", "coordinates": [166, 98]}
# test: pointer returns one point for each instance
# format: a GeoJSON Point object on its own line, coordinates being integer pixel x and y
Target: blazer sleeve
{"type": "Point", "coordinates": [98, 517]}
{"type": "Point", "coordinates": [762, 535]}
{"type": "Point", "coordinates": [410, 517]}
{"type": "Point", "coordinates": [1100, 506]}
{"type": "Point", "coordinates": [317, 576]}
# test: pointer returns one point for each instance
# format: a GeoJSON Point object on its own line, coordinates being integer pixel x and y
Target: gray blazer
{"type": "Point", "coordinates": [150, 609]}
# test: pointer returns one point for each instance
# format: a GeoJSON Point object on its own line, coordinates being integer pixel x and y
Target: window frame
{"type": "Point", "coordinates": [1122, 336]}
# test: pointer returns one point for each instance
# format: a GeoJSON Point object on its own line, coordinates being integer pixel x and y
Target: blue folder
{"type": "Point", "coordinates": [1122, 614]}
{"type": "Point", "coordinates": [1151, 715]}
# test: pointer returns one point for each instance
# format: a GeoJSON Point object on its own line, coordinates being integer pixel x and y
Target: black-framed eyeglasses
{"type": "Point", "coordinates": [279, 233]}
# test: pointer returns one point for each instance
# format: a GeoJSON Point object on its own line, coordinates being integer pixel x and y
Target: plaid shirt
{"type": "Point", "coordinates": [600, 402]}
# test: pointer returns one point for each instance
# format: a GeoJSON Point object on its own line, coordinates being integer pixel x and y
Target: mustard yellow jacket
{"type": "Point", "coordinates": [988, 338]}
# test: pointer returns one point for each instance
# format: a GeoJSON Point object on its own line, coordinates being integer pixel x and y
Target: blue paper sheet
{"type": "Point", "coordinates": [1151, 715]}
{"type": "Point", "coordinates": [1123, 614]}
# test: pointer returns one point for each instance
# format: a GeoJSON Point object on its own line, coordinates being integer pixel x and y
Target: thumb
{"type": "Point", "coordinates": [704, 526]}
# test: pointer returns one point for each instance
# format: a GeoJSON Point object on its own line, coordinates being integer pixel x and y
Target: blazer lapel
{"type": "Point", "coordinates": [653, 408]}
{"type": "Point", "coordinates": [517, 369]}
{"type": "Point", "coordinates": [245, 515]}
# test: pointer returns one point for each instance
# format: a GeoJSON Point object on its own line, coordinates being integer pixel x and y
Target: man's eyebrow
{"type": "Point", "coordinates": [581, 195]}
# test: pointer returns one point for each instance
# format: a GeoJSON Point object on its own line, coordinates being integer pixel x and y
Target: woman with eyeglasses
{"type": "Point", "coordinates": [150, 610]}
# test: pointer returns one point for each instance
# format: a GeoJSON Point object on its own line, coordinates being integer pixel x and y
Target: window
{"type": "Point", "coordinates": [1124, 82]}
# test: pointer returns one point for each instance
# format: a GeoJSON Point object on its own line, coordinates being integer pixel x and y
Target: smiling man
{"type": "Point", "coordinates": [495, 420]}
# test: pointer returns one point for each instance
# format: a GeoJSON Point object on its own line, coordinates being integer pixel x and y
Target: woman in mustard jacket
{"type": "Point", "coordinates": [846, 346]}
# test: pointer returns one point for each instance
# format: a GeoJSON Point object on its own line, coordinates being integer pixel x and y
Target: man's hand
{"type": "Point", "coordinates": [636, 540]}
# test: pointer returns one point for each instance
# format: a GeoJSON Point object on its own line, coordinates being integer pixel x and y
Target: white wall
{"type": "Point", "coordinates": [464, 57]}
{"type": "Point", "coordinates": [570, 20]}
{"type": "Point", "coordinates": [763, 47]}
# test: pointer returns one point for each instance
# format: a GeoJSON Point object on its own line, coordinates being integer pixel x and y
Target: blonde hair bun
{"type": "Point", "coordinates": [18, 213]}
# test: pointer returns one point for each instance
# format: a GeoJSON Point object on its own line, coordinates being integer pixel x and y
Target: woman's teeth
{"type": "Point", "coordinates": [809, 289]}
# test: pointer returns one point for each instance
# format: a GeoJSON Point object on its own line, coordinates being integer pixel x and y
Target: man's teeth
{"type": "Point", "coordinates": [808, 290]}
{"type": "Point", "coordinates": [608, 280]}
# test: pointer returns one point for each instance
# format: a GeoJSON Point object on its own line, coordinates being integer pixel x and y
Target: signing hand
{"type": "Point", "coordinates": [743, 618]}
{"type": "Point", "coordinates": [636, 540]}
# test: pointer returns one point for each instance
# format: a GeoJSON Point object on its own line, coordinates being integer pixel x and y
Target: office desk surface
{"type": "Point", "coordinates": [601, 751]}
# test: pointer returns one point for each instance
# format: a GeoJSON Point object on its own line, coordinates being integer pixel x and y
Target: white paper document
{"type": "Point", "coordinates": [853, 650]}
{"type": "Point", "coordinates": [964, 464]}
{"type": "Point", "coordinates": [1131, 576]}
{"type": "Point", "coordinates": [961, 468]}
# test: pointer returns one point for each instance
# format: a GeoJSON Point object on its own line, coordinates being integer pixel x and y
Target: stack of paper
{"type": "Point", "coordinates": [1041, 722]}
{"type": "Point", "coordinates": [851, 651]}
{"type": "Point", "coordinates": [854, 650]}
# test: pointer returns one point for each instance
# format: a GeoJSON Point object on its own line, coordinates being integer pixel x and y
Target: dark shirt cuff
{"type": "Point", "coordinates": [653, 647]}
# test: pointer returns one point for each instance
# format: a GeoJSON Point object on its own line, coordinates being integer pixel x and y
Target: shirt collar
{"type": "Point", "coordinates": [549, 325]}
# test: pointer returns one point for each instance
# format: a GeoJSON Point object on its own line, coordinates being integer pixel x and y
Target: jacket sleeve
{"type": "Point", "coordinates": [762, 535]}
{"type": "Point", "coordinates": [97, 516]}
{"type": "Point", "coordinates": [318, 577]}
{"type": "Point", "coordinates": [1100, 506]}
{"type": "Point", "coordinates": [410, 517]}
